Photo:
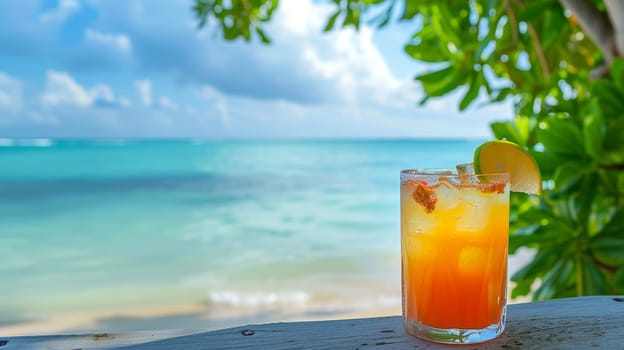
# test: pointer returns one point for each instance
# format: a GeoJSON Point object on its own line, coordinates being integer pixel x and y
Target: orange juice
{"type": "Point", "coordinates": [454, 238]}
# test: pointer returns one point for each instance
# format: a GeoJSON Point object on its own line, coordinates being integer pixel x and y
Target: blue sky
{"type": "Point", "coordinates": [140, 68]}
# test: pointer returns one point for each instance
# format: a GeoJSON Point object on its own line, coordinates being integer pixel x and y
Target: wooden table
{"type": "Point", "coordinates": [575, 323]}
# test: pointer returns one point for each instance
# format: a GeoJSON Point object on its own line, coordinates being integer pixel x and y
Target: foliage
{"type": "Point", "coordinates": [236, 18]}
{"type": "Point", "coordinates": [536, 55]}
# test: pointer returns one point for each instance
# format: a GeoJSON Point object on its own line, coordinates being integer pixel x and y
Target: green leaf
{"type": "Point", "coordinates": [476, 57]}
{"type": "Point", "coordinates": [556, 279]}
{"type": "Point", "coordinates": [617, 73]}
{"type": "Point", "coordinates": [244, 31]}
{"type": "Point", "coordinates": [525, 126]}
{"type": "Point", "coordinates": [584, 199]}
{"type": "Point", "coordinates": [472, 92]}
{"type": "Point", "coordinates": [608, 245]}
{"type": "Point", "coordinates": [608, 249]}
{"type": "Point", "coordinates": [521, 288]}
{"type": "Point", "coordinates": [537, 238]}
{"type": "Point", "coordinates": [593, 135]}
{"type": "Point", "coordinates": [547, 162]}
{"type": "Point", "coordinates": [613, 158]}
{"type": "Point", "coordinates": [535, 9]}
{"type": "Point", "coordinates": [435, 76]}
{"type": "Point", "coordinates": [506, 131]}
{"type": "Point", "coordinates": [442, 24]}
{"type": "Point", "coordinates": [540, 264]}
{"type": "Point", "coordinates": [614, 135]}
{"type": "Point", "coordinates": [502, 94]}
{"type": "Point", "coordinates": [619, 277]}
{"type": "Point", "coordinates": [562, 137]}
{"type": "Point", "coordinates": [352, 17]}
{"type": "Point", "coordinates": [568, 175]}
{"type": "Point", "coordinates": [410, 9]}
{"type": "Point", "coordinates": [615, 225]}
{"type": "Point", "coordinates": [425, 53]}
{"type": "Point", "coordinates": [610, 179]}
{"type": "Point", "coordinates": [609, 98]}
{"type": "Point", "coordinates": [230, 33]}
{"type": "Point", "coordinates": [564, 209]}
{"type": "Point", "coordinates": [551, 33]}
{"type": "Point", "coordinates": [331, 21]}
{"type": "Point", "coordinates": [443, 81]}
{"type": "Point", "coordinates": [265, 39]}
{"type": "Point", "coordinates": [594, 282]}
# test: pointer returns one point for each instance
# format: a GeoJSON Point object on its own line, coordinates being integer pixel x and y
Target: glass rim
{"type": "Point", "coordinates": [447, 172]}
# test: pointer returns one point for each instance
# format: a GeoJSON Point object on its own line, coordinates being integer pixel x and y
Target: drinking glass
{"type": "Point", "coordinates": [454, 239]}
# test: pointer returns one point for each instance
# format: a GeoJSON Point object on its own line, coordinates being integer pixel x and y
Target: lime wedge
{"type": "Point", "coordinates": [507, 157]}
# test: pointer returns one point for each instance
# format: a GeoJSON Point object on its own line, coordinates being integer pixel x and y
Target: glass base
{"type": "Point", "coordinates": [455, 335]}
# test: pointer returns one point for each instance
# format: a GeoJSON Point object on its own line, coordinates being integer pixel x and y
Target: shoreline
{"type": "Point", "coordinates": [180, 316]}
{"type": "Point", "coordinates": [191, 316]}
{"type": "Point", "coordinates": [184, 316]}
{"type": "Point", "coordinates": [226, 311]}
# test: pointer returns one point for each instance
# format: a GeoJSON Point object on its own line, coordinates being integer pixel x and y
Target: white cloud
{"type": "Point", "coordinates": [10, 93]}
{"type": "Point", "coordinates": [165, 102]}
{"type": "Point", "coordinates": [302, 17]}
{"type": "Point", "coordinates": [125, 102]}
{"type": "Point", "coordinates": [307, 83]}
{"type": "Point", "coordinates": [218, 104]}
{"type": "Point", "coordinates": [43, 118]}
{"type": "Point", "coordinates": [62, 90]}
{"type": "Point", "coordinates": [65, 9]}
{"type": "Point", "coordinates": [116, 41]}
{"type": "Point", "coordinates": [102, 92]}
{"type": "Point", "coordinates": [144, 89]}
{"type": "Point", "coordinates": [102, 50]}
{"type": "Point", "coordinates": [304, 65]}
{"type": "Point", "coordinates": [347, 59]}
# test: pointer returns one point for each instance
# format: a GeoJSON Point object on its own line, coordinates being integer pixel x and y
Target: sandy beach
{"type": "Point", "coordinates": [230, 311]}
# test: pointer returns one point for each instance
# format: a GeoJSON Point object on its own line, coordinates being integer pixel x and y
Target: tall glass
{"type": "Point", "coordinates": [454, 238]}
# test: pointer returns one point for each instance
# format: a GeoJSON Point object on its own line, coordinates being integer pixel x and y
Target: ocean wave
{"type": "Point", "coordinates": [7, 142]}
{"type": "Point", "coordinates": [39, 142]}
{"type": "Point", "coordinates": [296, 298]}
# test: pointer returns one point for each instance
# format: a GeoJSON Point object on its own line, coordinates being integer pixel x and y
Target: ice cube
{"type": "Point", "coordinates": [473, 213]}
{"type": "Point", "coordinates": [466, 168]}
{"type": "Point", "coordinates": [466, 173]}
{"type": "Point", "coordinates": [448, 196]}
{"type": "Point", "coordinates": [414, 216]}
{"type": "Point", "coordinates": [472, 261]}
{"type": "Point", "coordinates": [421, 248]}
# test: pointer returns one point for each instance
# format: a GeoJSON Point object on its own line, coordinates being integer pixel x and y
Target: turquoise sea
{"type": "Point", "coordinates": [141, 234]}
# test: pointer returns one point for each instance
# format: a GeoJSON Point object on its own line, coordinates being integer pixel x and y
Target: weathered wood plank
{"type": "Point", "coordinates": [575, 323]}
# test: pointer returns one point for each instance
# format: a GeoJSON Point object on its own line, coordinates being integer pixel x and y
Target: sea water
{"type": "Point", "coordinates": [142, 234]}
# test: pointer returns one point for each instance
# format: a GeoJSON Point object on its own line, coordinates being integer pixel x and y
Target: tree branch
{"type": "Point", "coordinates": [539, 50]}
{"type": "Point", "coordinates": [604, 266]}
{"type": "Point", "coordinates": [595, 24]}
{"type": "Point", "coordinates": [617, 166]}
{"type": "Point", "coordinates": [615, 10]}
{"type": "Point", "coordinates": [513, 21]}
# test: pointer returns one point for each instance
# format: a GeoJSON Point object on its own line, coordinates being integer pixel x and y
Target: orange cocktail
{"type": "Point", "coordinates": [454, 238]}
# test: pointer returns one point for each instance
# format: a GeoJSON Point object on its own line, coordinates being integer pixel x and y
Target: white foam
{"type": "Point", "coordinates": [40, 142]}
{"type": "Point", "coordinates": [389, 300]}
{"type": "Point", "coordinates": [7, 142]}
{"type": "Point", "coordinates": [297, 298]}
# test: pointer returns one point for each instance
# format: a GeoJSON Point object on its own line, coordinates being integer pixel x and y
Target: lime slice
{"type": "Point", "coordinates": [507, 157]}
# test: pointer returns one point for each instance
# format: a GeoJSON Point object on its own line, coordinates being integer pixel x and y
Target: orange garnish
{"type": "Point", "coordinates": [424, 195]}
